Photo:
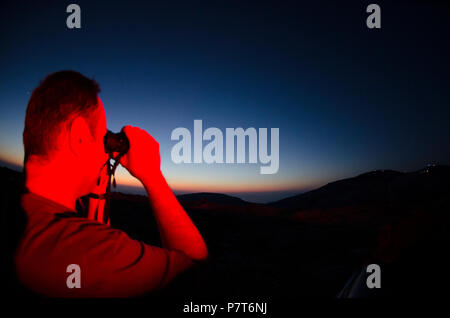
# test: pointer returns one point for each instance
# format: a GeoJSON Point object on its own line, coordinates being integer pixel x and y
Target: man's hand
{"type": "Point", "coordinates": [142, 159]}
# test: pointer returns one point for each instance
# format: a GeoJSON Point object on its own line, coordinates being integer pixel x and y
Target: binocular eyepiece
{"type": "Point", "coordinates": [116, 142]}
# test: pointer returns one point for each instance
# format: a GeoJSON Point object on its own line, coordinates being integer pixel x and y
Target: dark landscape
{"type": "Point", "coordinates": [307, 245]}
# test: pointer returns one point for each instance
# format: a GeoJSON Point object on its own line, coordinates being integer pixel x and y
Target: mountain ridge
{"type": "Point", "coordinates": [377, 187]}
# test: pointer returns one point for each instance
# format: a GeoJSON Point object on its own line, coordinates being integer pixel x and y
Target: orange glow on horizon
{"type": "Point", "coordinates": [12, 160]}
{"type": "Point", "coordinates": [193, 186]}
{"type": "Point", "coordinates": [217, 186]}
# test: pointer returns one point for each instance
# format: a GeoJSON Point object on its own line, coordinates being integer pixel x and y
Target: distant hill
{"type": "Point", "coordinates": [380, 187]}
{"type": "Point", "coordinates": [223, 203]}
{"type": "Point", "coordinates": [366, 188]}
{"type": "Point", "coordinates": [136, 198]}
{"type": "Point", "coordinates": [210, 197]}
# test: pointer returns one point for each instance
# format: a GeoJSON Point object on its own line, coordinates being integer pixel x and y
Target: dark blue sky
{"type": "Point", "coordinates": [346, 99]}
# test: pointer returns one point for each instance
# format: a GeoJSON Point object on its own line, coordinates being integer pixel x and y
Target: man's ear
{"type": "Point", "coordinates": [79, 135]}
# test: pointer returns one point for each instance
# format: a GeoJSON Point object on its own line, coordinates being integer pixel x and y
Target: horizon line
{"type": "Point", "coordinates": [250, 196]}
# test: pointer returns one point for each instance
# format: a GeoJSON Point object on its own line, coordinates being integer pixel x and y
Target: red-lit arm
{"type": "Point", "coordinates": [176, 228]}
{"type": "Point", "coordinates": [177, 231]}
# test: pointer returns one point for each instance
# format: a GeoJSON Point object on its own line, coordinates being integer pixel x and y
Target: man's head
{"type": "Point", "coordinates": [64, 126]}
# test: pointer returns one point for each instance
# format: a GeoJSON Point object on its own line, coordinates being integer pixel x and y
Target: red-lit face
{"type": "Point", "coordinates": [95, 155]}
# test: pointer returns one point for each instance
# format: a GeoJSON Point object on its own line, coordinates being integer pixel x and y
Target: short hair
{"type": "Point", "coordinates": [59, 98]}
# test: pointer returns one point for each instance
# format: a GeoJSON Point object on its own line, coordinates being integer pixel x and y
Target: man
{"type": "Point", "coordinates": [64, 158]}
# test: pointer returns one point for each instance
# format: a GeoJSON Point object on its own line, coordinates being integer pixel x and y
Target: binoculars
{"type": "Point", "coordinates": [116, 142]}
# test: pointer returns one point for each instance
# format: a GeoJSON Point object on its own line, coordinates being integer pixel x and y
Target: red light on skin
{"type": "Point", "coordinates": [72, 170]}
{"type": "Point", "coordinates": [113, 265]}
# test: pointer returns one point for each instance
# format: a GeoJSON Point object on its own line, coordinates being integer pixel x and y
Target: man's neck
{"type": "Point", "coordinates": [51, 183]}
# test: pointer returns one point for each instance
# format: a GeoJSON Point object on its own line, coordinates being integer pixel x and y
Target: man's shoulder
{"type": "Point", "coordinates": [53, 242]}
{"type": "Point", "coordinates": [50, 220]}
{"type": "Point", "coordinates": [51, 238]}
{"type": "Point", "coordinates": [69, 230]}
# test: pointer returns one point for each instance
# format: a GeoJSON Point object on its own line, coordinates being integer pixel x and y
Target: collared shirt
{"type": "Point", "coordinates": [110, 263]}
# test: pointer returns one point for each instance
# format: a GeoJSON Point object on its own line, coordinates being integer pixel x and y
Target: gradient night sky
{"type": "Point", "coordinates": [345, 98]}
